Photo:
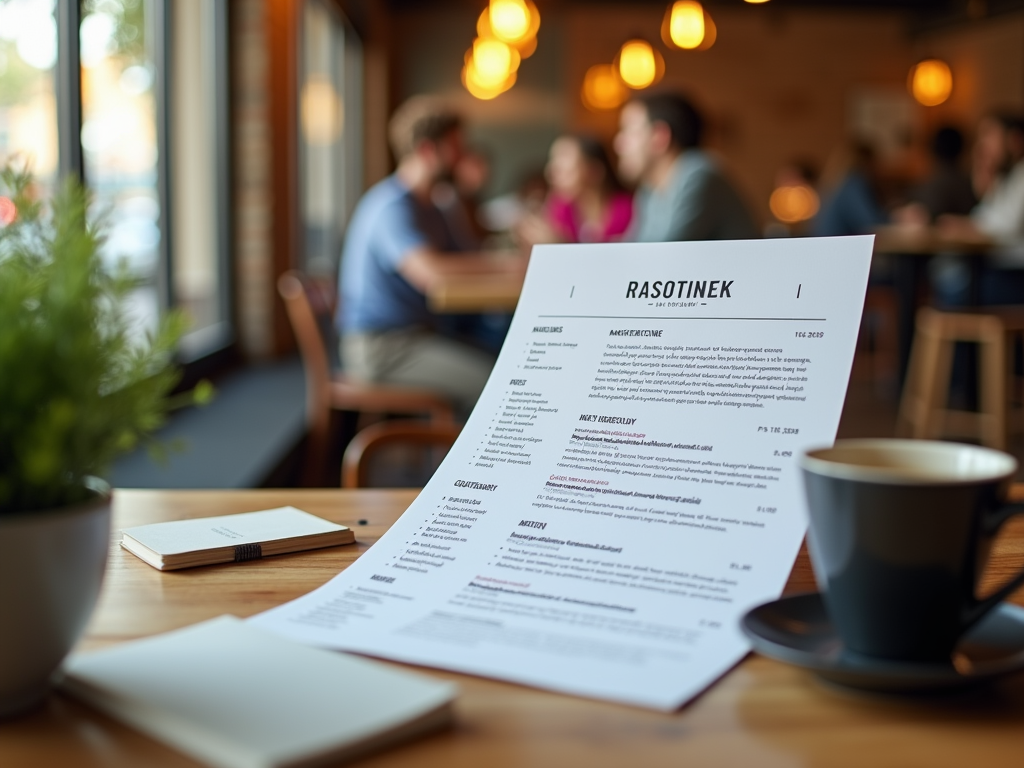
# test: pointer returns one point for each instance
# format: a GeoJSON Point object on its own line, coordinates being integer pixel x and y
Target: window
{"type": "Point", "coordinates": [28, 101]}
{"type": "Point", "coordinates": [139, 108]}
{"type": "Point", "coordinates": [120, 142]}
{"type": "Point", "coordinates": [330, 140]}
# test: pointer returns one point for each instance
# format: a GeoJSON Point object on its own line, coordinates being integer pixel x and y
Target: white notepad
{"type": "Point", "coordinates": [234, 696]}
{"type": "Point", "coordinates": [232, 538]}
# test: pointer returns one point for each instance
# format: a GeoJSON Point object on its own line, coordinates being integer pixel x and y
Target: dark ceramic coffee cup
{"type": "Point", "coordinates": [900, 533]}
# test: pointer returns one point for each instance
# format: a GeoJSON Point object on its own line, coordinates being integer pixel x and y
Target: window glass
{"type": "Point", "coordinates": [329, 136]}
{"type": "Point", "coordinates": [119, 139]}
{"type": "Point", "coordinates": [28, 104]}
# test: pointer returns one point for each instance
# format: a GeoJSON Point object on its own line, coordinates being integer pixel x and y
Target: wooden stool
{"type": "Point", "coordinates": [923, 408]}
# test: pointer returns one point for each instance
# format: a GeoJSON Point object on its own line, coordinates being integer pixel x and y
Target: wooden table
{"type": "Point", "coordinates": [468, 284]}
{"type": "Point", "coordinates": [493, 282]}
{"type": "Point", "coordinates": [761, 715]}
{"type": "Point", "coordinates": [928, 241]}
{"type": "Point", "coordinates": [911, 248]}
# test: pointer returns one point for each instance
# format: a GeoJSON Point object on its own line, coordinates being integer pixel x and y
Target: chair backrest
{"type": "Point", "coordinates": [399, 453]}
{"type": "Point", "coordinates": [293, 289]}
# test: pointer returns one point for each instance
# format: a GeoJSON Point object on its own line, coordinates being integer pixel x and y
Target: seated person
{"type": "Point", "coordinates": [458, 199]}
{"type": "Point", "coordinates": [947, 188]}
{"type": "Point", "coordinates": [682, 194]}
{"type": "Point", "coordinates": [395, 235]}
{"type": "Point", "coordinates": [999, 180]}
{"type": "Point", "coordinates": [998, 177]}
{"type": "Point", "coordinates": [586, 203]}
{"type": "Point", "coordinates": [849, 204]}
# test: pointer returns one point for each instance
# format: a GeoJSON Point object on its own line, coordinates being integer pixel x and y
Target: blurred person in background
{"type": "Point", "coordinates": [501, 215]}
{"type": "Point", "coordinates": [947, 189]}
{"type": "Point", "coordinates": [849, 197]}
{"type": "Point", "coordinates": [998, 177]}
{"type": "Point", "coordinates": [682, 192]}
{"type": "Point", "coordinates": [396, 233]}
{"type": "Point", "coordinates": [586, 203]}
{"type": "Point", "coordinates": [799, 172]}
{"type": "Point", "coordinates": [458, 198]}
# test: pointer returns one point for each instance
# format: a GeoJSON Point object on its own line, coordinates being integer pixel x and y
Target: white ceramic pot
{"type": "Point", "coordinates": [51, 568]}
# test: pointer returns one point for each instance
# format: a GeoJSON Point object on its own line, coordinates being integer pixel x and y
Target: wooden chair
{"type": "Point", "coordinates": [924, 411]}
{"type": "Point", "coordinates": [327, 392]}
{"type": "Point", "coordinates": [424, 443]}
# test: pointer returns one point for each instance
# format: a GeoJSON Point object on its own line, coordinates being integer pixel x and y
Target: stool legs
{"type": "Point", "coordinates": [993, 387]}
{"type": "Point", "coordinates": [923, 410]}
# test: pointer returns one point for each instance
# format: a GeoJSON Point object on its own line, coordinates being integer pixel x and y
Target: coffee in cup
{"type": "Point", "coordinates": [900, 533]}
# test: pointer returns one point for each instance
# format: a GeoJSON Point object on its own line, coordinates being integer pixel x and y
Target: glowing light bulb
{"type": "Point", "coordinates": [756, 2]}
{"type": "Point", "coordinates": [639, 64]}
{"type": "Point", "coordinates": [602, 88]}
{"type": "Point", "coordinates": [931, 82]}
{"type": "Point", "coordinates": [493, 61]}
{"type": "Point", "coordinates": [793, 204]}
{"type": "Point", "coordinates": [510, 20]}
{"type": "Point", "coordinates": [686, 24]}
{"type": "Point", "coordinates": [526, 44]}
{"type": "Point", "coordinates": [484, 90]}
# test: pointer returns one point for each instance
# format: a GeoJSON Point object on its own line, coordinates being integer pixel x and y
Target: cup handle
{"type": "Point", "coordinates": [981, 607]}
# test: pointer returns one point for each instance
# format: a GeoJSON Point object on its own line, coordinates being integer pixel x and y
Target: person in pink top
{"type": "Point", "coordinates": [586, 203]}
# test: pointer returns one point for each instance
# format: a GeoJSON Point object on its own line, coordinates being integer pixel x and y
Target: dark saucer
{"type": "Point", "coordinates": [797, 630]}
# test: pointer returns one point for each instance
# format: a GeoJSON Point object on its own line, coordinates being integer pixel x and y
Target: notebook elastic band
{"type": "Point", "coordinates": [245, 552]}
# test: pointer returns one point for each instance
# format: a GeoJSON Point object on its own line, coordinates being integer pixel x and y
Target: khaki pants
{"type": "Point", "coordinates": [417, 358]}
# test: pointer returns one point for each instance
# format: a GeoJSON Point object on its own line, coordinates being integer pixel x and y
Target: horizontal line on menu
{"type": "Point", "coordinates": [656, 317]}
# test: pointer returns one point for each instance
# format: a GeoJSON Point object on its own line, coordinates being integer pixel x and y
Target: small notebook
{"type": "Point", "coordinates": [232, 538]}
{"type": "Point", "coordinates": [235, 696]}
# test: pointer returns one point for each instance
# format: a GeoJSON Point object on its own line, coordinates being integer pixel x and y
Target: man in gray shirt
{"type": "Point", "coordinates": [682, 192]}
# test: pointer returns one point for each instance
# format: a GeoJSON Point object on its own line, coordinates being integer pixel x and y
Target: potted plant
{"type": "Point", "coordinates": [78, 385]}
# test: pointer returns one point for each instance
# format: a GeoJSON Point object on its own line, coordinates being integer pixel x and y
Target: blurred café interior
{"type": "Point", "coordinates": [228, 143]}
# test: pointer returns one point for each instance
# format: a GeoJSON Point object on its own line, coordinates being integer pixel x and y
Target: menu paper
{"type": "Point", "coordinates": [626, 488]}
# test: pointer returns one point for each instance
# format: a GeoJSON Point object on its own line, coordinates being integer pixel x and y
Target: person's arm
{"type": "Point", "coordinates": [420, 267]}
{"type": "Point", "coordinates": [405, 248]}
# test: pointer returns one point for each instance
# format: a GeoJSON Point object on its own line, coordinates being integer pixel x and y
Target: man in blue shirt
{"type": "Point", "coordinates": [682, 192]}
{"type": "Point", "coordinates": [396, 233]}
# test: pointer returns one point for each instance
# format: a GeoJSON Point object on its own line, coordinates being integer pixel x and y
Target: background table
{"type": "Point", "coordinates": [466, 284]}
{"type": "Point", "coordinates": [762, 714]}
{"type": "Point", "coordinates": [911, 248]}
